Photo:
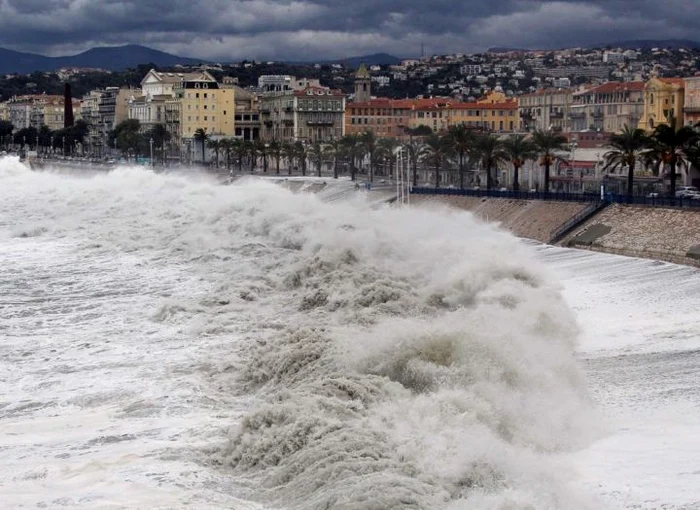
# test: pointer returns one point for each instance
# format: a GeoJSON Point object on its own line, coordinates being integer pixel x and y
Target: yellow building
{"type": "Point", "coordinates": [663, 97]}
{"type": "Point", "coordinates": [205, 105]}
{"type": "Point", "coordinates": [3, 111]}
{"type": "Point", "coordinates": [495, 113]}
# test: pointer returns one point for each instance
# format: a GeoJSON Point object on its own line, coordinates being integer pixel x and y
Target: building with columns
{"type": "Point", "coordinates": [663, 98]}
{"type": "Point", "coordinates": [607, 107]}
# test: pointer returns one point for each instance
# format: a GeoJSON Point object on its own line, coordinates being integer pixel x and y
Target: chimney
{"type": "Point", "coordinates": [67, 107]}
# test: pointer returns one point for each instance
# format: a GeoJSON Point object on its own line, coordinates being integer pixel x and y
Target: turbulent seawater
{"type": "Point", "coordinates": [167, 342]}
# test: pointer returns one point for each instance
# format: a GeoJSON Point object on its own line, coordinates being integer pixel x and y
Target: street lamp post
{"type": "Point", "coordinates": [51, 145]}
{"type": "Point", "coordinates": [63, 141]}
{"type": "Point", "coordinates": [151, 144]}
{"type": "Point", "coordinates": [37, 144]}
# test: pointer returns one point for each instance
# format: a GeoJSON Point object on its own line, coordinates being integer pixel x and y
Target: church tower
{"type": "Point", "coordinates": [363, 89]}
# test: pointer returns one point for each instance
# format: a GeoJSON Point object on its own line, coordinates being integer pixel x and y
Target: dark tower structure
{"type": "Point", "coordinates": [363, 84]}
{"type": "Point", "coordinates": [67, 107]}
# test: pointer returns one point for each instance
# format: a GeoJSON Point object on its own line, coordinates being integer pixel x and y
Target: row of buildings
{"type": "Point", "coordinates": [286, 108]}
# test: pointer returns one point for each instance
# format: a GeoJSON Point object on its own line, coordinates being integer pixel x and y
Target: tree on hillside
{"type": "Point", "coordinates": [625, 149]}
{"type": "Point", "coordinates": [519, 149]}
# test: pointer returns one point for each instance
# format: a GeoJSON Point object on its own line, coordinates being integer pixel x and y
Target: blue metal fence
{"type": "Point", "coordinates": [562, 197]}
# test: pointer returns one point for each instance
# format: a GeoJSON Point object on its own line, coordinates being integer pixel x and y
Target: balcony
{"type": "Point", "coordinates": [691, 109]}
{"type": "Point", "coordinates": [319, 122]}
{"type": "Point", "coordinates": [598, 114]}
{"type": "Point", "coordinates": [556, 115]}
{"type": "Point", "coordinates": [577, 115]}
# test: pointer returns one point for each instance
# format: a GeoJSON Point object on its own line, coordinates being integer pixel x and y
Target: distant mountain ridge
{"type": "Point", "coordinates": [650, 43]}
{"type": "Point", "coordinates": [376, 59]}
{"type": "Point", "coordinates": [113, 58]}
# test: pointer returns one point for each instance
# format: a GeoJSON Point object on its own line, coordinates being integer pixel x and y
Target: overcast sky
{"type": "Point", "coordinates": [307, 29]}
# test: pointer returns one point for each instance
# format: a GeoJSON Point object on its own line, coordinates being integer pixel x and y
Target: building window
{"type": "Point", "coordinates": [197, 95]}
{"type": "Point", "coordinates": [205, 117]}
{"type": "Point", "coordinates": [205, 95]}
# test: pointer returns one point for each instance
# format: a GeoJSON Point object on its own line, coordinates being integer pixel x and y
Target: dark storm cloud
{"type": "Point", "coordinates": [232, 29]}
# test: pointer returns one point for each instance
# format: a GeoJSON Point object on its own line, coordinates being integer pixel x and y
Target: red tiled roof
{"type": "Point", "coordinates": [615, 86]}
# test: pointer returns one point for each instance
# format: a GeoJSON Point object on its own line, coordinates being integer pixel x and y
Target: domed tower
{"type": "Point", "coordinates": [363, 90]}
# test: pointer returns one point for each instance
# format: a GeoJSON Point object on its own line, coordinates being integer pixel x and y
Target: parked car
{"type": "Point", "coordinates": [684, 191]}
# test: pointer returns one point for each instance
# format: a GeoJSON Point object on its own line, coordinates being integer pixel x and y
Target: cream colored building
{"type": "Point", "coordinates": [207, 106]}
{"type": "Point", "coordinates": [607, 107]}
{"type": "Point", "coordinates": [663, 97]}
{"type": "Point", "coordinates": [546, 109]}
{"type": "Point", "coordinates": [691, 102]}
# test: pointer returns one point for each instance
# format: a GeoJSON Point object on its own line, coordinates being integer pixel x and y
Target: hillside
{"type": "Point", "coordinates": [116, 58]}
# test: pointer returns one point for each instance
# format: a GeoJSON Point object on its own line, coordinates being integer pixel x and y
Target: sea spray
{"type": "Point", "coordinates": [394, 358]}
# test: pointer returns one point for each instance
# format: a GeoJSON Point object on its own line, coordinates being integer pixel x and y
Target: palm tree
{"type": "Point", "coordinates": [301, 155]}
{"type": "Point", "coordinates": [435, 152]}
{"type": "Point", "coordinates": [215, 145]}
{"type": "Point", "coordinates": [625, 149]}
{"type": "Point", "coordinates": [354, 149]}
{"type": "Point", "coordinates": [519, 149]}
{"type": "Point", "coordinates": [461, 141]}
{"type": "Point", "coordinates": [369, 142]}
{"type": "Point", "coordinates": [261, 150]}
{"type": "Point", "coordinates": [491, 153]}
{"type": "Point", "coordinates": [387, 147]}
{"type": "Point", "coordinates": [546, 144]}
{"type": "Point", "coordinates": [333, 151]}
{"type": "Point", "coordinates": [289, 152]}
{"type": "Point", "coordinates": [227, 145]}
{"type": "Point", "coordinates": [241, 150]}
{"type": "Point", "coordinates": [201, 136]}
{"type": "Point", "coordinates": [413, 148]}
{"type": "Point", "coordinates": [275, 150]}
{"type": "Point", "coordinates": [316, 153]}
{"type": "Point", "coordinates": [671, 146]}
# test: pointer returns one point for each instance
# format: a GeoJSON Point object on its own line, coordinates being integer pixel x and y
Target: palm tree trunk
{"type": "Point", "coordinates": [335, 167]}
{"type": "Point", "coordinates": [204, 158]}
{"type": "Point", "coordinates": [673, 177]}
{"type": "Point", "coordinates": [461, 170]}
{"type": "Point", "coordinates": [415, 172]}
{"type": "Point", "coordinates": [489, 180]}
{"type": "Point", "coordinates": [546, 177]}
{"type": "Point", "coordinates": [319, 168]}
{"type": "Point", "coordinates": [277, 165]}
{"type": "Point", "coordinates": [630, 182]}
{"type": "Point", "coordinates": [516, 177]}
{"type": "Point", "coordinates": [437, 175]}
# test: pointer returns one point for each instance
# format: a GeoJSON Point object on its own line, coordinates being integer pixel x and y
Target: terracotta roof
{"type": "Point", "coordinates": [505, 105]}
{"type": "Point", "coordinates": [614, 86]}
{"type": "Point", "coordinates": [542, 92]}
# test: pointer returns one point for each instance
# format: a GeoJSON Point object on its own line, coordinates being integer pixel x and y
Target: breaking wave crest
{"type": "Point", "coordinates": [396, 358]}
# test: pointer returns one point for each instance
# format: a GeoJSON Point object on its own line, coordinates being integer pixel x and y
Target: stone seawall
{"type": "Point", "coordinates": [669, 234]}
{"type": "Point", "coordinates": [531, 219]}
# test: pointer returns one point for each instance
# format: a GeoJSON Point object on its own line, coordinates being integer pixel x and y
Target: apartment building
{"type": "Point", "coordinates": [691, 101]}
{"type": "Point", "coordinates": [545, 109]}
{"type": "Point", "coordinates": [309, 115]}
{"type": "Point", "coordinates": [205, 105]}
{"type": "Point", "coordinates": [607, 107]}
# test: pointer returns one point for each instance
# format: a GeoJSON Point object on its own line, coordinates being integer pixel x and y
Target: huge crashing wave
{"type": "Point", "coordinates": [394, 358]}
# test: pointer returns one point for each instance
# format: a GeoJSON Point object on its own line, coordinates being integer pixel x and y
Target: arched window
{"type": "Point", "coordinates": [651, 98]}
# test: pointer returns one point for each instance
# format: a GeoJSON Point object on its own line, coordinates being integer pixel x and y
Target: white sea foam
{"type": "Point", "coordinates": [212, 343]}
